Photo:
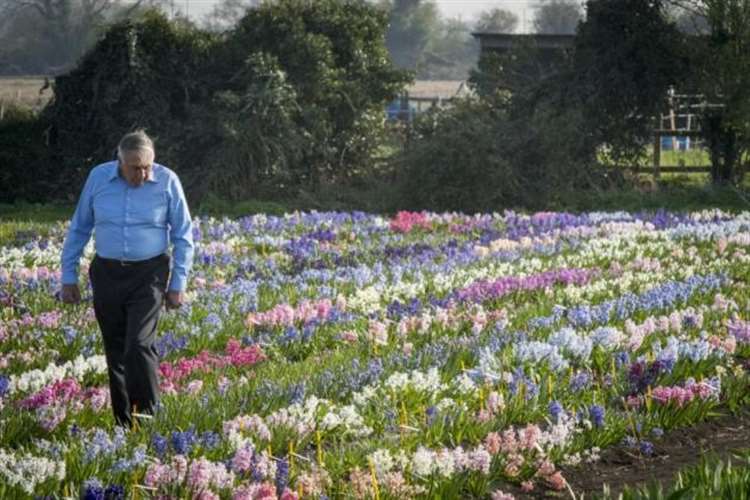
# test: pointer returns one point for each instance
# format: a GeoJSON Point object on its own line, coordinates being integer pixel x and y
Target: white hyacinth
{"type": "Point", "coordinates": [28, 471]}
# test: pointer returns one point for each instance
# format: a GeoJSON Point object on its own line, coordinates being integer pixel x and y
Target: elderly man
{"type": "Point", "coordinates": [136, 208]}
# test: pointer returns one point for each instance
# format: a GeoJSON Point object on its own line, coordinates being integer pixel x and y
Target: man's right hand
{"type": "Point", "coordinates": [71, 294]}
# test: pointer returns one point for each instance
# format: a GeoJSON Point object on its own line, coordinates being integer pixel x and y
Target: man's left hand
{"type": "Point", "coordinates": [173, 299]}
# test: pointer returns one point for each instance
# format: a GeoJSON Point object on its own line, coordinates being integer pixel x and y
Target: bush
{"type": "Point", "coordinates": [293, 97]}
{"type": "Point", "coordinates": [26, 173]}
{"type": "Point", "coordinates": [484, 156]}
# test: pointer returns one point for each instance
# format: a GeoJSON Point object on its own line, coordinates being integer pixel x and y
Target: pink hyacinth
{"type": "Point", "coordinates": [286, 315]}
{"type": "Point", "coordinates": [682, 395]}
{"type": "Point", "coordinates": [405, 221]}
{"type": "Point", "coordinates": [529, 436]}
{"type": "Point", "coordinates": [493, 442]}
{"type": "Point", "coordinates": [509, 442]}
{"type": "Point", "coordinates": [247, 356]}
{"type": "Point", "coordinates": [200, 474]}
{"type": "Point", "coordinates": [501, 495]}
{"type": "Point", "coordinates": [263, 491]}
{"type": "Point", "coordinates": [59, 392]}
{"type": "Point", "coordinates": [49, 319]}
{"type": "Point", "coordinates": [289, 495]}
{"type": "Point", "coordinates": [485, 290]}
{"type": "Point", "coordinates": [157, 475]}
{"type": "Point", "coordinates": [242, 460]}
{"type": "Point", "coordinates": [207, 495]}
{"type": "Point", "coordinates": [557, 481]}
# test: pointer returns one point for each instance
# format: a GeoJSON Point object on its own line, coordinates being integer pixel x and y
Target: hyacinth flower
{"type": "Point", "coordinates": [416, 344]}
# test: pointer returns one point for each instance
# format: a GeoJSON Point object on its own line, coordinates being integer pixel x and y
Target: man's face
{"type": "Point", "coordinates": [135, 167]}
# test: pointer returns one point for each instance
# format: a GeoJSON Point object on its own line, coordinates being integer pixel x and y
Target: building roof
{"type": "Point", "coordinates": [504, 41]}
{"type": "Point", "coordinates": [442, 89]}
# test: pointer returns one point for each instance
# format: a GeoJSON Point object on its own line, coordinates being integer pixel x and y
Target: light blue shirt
{"type": "Point", "coordinates": [131, 223]}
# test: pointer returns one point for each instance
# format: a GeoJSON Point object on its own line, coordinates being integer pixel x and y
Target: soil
{"type": "Point", "coordinates": [621, 466]}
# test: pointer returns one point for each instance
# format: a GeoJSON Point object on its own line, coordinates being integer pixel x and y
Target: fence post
{"type": "Point", "coordinates": [657, 154]}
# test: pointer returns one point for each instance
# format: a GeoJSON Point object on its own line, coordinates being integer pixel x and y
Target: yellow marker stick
{"type": "Point", "coordinates": [374, 479]}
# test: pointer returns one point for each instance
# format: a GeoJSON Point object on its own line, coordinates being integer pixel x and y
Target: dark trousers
{"type": "Point", "coordinates": [128, 298]}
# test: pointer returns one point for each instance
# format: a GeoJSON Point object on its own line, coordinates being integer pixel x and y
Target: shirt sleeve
{"type": "Point", "coordinates": [181, 236]}
{"type": "Point", "coordinates": [79, 233]}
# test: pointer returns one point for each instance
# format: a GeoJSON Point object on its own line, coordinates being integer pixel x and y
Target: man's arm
{"type": "Point", "coordinates": [79, 233]}
{"type": "Point", "coordinates": [181, 237]}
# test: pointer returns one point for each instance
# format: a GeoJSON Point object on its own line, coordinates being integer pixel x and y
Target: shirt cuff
{"type": "Point", "coordinates": [69, 278]}
{"type": "Point", "coordinates": [177, 283]}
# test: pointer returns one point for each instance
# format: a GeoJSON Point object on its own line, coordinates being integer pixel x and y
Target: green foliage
{"type": "Point", "coordinates": [255, 143]}
{"type": "Point", "coordinates": [488, 155]}
{"type": "Point", "coordinates": [24, 168]}
{"type": "Point", "coordinates": [497, 21]}
{"type": "Point", "coordinates": [431, 47]}
{"type": "Point", "coordinates": [713, 478]}
{"type": "Point", "coordinates": [723, 76]}
{"type": "Point", "coordinates": [145, 74]}
{"type": "Point", "coordinates": [451, 53]}
{"type": "Point", "coordinates": [334, 57]}
{"type": "Point", "coordinates": [557, 17]}
{"type": "Point", "coordinates": [291, 98]}
{"type": "Point", "coordinates": [412, 25]}
{"type": "Point", "coordinates": [627, 54]}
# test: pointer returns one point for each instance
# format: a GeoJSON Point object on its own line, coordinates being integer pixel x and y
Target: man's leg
{"type": "Point", "coordinates": [141, 360]}
{"type": "Point", "coordinates": [110, 314]}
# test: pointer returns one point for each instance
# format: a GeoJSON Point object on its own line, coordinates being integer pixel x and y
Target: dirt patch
{"type": "Point", "coordinates": [621, 466]}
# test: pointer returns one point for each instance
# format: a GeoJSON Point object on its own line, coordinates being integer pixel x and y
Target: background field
{"type": "Point", "coordinates": [25, 91]}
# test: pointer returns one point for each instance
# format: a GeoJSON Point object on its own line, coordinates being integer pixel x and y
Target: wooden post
{"type": "Point", "coordinates": [657, 154]}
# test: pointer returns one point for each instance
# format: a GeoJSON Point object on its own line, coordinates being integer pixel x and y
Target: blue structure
{"type": "Point", "coordinates": [675, 142]}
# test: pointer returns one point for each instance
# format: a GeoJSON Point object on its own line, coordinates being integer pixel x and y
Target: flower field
{"type": "Point", "coordinates": [346, 355]}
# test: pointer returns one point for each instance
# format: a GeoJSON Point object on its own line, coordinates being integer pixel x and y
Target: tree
{"type": "Point", "coordinates": [627, 55]}
{"type": "Point", "coordinates": [557, 17]}
{"type": "Point", "coordinates": [227, 13]}
{"type": "Point", "coordinates": [722, 76]}
{"type": "Point", "coordinates": [335, 58]}
{"type": "Point", "coordinates": [451, 54]}
{"type": "Point", "coordinates": [292, 98]}
{"type": "Point", "coordinates": [413, 24]}
{"type": "Point", "coordinates": [688, 19]}
{"type": "Point", "coordinates": [48, 36]}
{"type": "Point", "coordinates": [496, 21]}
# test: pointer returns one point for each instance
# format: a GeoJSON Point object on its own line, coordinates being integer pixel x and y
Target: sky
{"type": "Point", "coordinates": [465, 9]}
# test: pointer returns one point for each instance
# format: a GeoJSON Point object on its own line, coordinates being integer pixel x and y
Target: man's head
{"type": "Point", "coordinates": [136, 157]}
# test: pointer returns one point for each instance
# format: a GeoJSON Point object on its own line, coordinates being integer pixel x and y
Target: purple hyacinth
{"type": "Point", "coordinates": [596, 412]}
{"type": "Point", "coordinates": [555, 410]}
{"type": "Point", "coordinates": [282, 475]}
{"type": "Point", "coordinates": [647, 448]}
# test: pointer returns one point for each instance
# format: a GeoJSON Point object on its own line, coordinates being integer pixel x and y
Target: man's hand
{"type": "Point", "coordinates": [173, 299]}
{"type": "Point", "coordinates": [70, 294]}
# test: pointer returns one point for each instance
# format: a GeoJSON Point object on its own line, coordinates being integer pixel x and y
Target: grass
{"type": "Point", "coordinates": [673, 192]}
{"type": "Point", "coordinates": [667, 195]}
{"type": "Point", "coordinates": [35, 212]}
{"type": "Point", "coordinates": [691, 158]}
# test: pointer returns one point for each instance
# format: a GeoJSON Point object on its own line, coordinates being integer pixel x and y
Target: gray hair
{"type": "Point", "coordinates": [136, 142]}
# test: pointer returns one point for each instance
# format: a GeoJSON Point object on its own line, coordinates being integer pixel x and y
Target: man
{"type": "Point", "coordinates": [136, 208]}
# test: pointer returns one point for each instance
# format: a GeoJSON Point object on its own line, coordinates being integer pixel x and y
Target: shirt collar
{"type": "Point", "coordinates": [115, 173]}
